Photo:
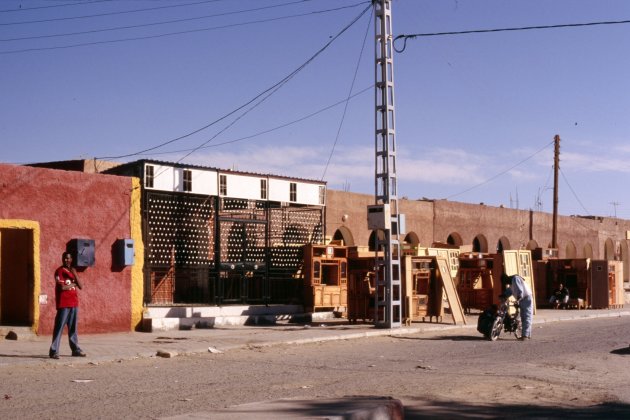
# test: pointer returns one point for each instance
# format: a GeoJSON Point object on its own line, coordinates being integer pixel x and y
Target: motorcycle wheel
{"type": "Point", "coordinates": [497, 326]}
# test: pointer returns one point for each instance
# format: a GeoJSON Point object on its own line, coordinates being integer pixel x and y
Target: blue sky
{"type": "Point", "coordinates": [475, 114]}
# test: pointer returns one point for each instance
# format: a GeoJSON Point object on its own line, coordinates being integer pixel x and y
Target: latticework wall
{"type": "Point", "coordinates": [247, 251]}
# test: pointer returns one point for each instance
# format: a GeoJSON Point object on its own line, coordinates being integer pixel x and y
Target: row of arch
{"type": "Point", "coordinates": [612, 250]}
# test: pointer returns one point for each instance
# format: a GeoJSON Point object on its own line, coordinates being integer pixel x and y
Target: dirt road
{"type": "Point", "coordinates": [580, 367]}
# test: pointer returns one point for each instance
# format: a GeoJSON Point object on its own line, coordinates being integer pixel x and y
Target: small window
{"type": "Point", "coordinates": [322, 195]}
{"type": "Point", "coordinates": [187, 180]}
{"type": "Point", "coordinates": [292, 191]}
{"type": "Point", "coordinates": [222, 185]}
{"type": "Point", "coordinates": [263, 189]}
{"type": "Point", "coordinates": [149, 176]}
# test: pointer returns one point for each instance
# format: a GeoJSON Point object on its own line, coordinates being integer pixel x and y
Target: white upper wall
{"type": "Point", "coordinates": [169, 178]}
{"type": "Point", "coordinates": [242, 186]}
{"type": "Point", "coordinates": [238, 185]}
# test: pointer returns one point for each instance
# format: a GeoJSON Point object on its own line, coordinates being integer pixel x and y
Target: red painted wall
{"type": "Point", "coordinates": [71, 205]}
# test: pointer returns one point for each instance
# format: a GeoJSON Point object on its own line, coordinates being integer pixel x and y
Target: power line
{"type": "Point", "coordinates": [22, 9]}
{"type": "Point", "coordinates": [144, 25]}
{"type": "Point", "coordinates": [500, 173]}
{"type": "Point", "coordinates": [109, 13]}
{"type": "Point", "coordinates": [345, 108]}
{"type": "Point", "coordinates": [282, 82]}
{"type": "Point", "coordinates": [267, 131]}
{"type": "Point", "coordinates": [271, 89]}
{"type": "Point", "coordinates": [141, 38]}
{"type": "Point", "coordinates": [573, 192]}
{"type": "Point", "coordinates": [522, 28]}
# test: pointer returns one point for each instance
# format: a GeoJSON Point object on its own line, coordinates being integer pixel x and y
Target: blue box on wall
{"type": "Point", "coordinates": [124, 252]}
{"type": "Point", "coordinates": [82, 251]}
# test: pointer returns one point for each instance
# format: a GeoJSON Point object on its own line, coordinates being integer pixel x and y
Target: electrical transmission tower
{"type": "Point", "coordinates": [383, 217]}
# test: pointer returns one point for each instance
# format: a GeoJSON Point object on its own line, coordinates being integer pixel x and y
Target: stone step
{"type": "Point", "coordinates": [186, 318]}
{"type": "Point", "coordinates": [8, 332]}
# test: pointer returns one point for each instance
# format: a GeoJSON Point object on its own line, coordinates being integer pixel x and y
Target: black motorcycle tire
{"type": "Point", "coordinates": [495, 331]}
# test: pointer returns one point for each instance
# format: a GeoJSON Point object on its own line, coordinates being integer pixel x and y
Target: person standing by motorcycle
{"type": "Point", "coordinates": [523, 294]}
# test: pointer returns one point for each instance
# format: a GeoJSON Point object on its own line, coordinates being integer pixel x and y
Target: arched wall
{"type": "Point", "coordinates": [480, 243]}
{"type": "Point", "coordinates": [570, 250]}
{"type": "Point", "coordinates": [532, 244]}
{"type": "Point", "coordinates": [412, 239]}
{"type": "Point", "coordinates": [372, 241]}
{"type": "Point", "coordinates": [588, 251]}
{"type": "Point", "coordinates": [344, 234]}
{"type": "Point", "coordinates": [437, 220]}
{"type": "Point", "coordinates": [503, 244]}
{"type": "Point", "coordinates": [454, 238]}
{"type": "Point", "coordinates": [626, 260]}
{"type": "Point", "coordinates": [609, 249]}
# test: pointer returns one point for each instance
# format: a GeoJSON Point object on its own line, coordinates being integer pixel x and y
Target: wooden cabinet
{"type": "Point", "coordinates": [598, 283]}
{"type": "Point", "coordinates": [476, 285]}
{"type": "Point", "coordinates": [325, 277]}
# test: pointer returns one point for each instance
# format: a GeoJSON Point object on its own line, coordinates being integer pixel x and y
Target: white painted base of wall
{"type": "Point", "coordinates": [189, 317]}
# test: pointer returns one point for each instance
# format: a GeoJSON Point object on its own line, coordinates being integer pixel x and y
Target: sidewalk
{"type": "Point", "coordinates": [132, 345]}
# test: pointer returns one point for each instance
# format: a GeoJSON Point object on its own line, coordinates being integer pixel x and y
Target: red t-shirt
{"type": "Point", "coordinates": [65, 298]}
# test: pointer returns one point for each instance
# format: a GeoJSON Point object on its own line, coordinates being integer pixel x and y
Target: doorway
{"type": "Point", "coordinates": [17, 281]}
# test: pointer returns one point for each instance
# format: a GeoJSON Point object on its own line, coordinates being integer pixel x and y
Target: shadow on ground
{"type": "Point", "coordinates": [622, 351]}
{"type": "Point", "coordinates": [423, 409]}
{"type": "Point", "coordinates": [448, 337]}
{"type": "Point", "coordinates": [385, 407]}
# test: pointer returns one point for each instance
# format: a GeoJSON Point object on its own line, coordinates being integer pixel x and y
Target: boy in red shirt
{"type": "Point", "coordinates": [67, 303]}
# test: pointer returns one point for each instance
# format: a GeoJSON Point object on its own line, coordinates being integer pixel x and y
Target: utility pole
{"type": "Point", "coordinates": [383, 216]}
{"type": "Point", "coordinates": [556, 168]}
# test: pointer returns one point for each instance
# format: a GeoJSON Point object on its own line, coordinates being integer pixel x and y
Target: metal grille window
{"type": "Point", "coordinates": [263, 189]}
{"type": "Point", "coordinates": [293, 191]}
{"type": "Point", "coordinates": [149, 175]}
{"type": "Point", "coordinates": [187, 180]}
{"type": "Point", "coordinates": [222, 185]}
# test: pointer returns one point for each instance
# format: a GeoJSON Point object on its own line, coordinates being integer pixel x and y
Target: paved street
{"type": "Point", "coordinates": [577, 364]}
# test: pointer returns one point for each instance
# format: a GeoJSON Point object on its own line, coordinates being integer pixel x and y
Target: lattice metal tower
{"type": "Point", "coordinates": [388, 269]}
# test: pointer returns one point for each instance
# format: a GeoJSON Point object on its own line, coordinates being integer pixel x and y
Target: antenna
{"type": "Point", "coordinates": [615, 204]}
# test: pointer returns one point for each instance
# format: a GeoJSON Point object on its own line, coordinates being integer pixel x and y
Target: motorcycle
{"type": "Point", "coordinates": [498, 318]}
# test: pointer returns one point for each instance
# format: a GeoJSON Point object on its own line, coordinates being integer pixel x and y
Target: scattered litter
{"type": "Point", "coordinates": [82, 381]}
{"type": "Point", "coordinates": [214, 350]}
{"type": "Point", "coordinates": [186, 399]}
{"type": "Point", "coordinates": [11, 336]}
{"type": "Point", "coordinates": [371, 365]}
{"type": "Point", "coordinates": [523, 387]}
{"type": "Point", "coordinates": [425, 367]}
{"type": "Point", "coordinates": [95, 363]}
{"type": "Point", "coordinates": [307, 326]}
{"type": "Point", "coordinates": [305, 386]}
{"type": "Point", "coordinates": [7, 397]}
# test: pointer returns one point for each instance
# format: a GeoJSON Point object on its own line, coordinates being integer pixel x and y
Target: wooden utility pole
{"type": "Point", "coordinates": [556, 168]}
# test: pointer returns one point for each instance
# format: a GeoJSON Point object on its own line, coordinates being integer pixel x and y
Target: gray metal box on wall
{"type": "Point", "coordinates": [379, 217]}
{"type": "Point", "coordinates": [82, 251]}
{"type": "Point", "coordinates": [124, 252]}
